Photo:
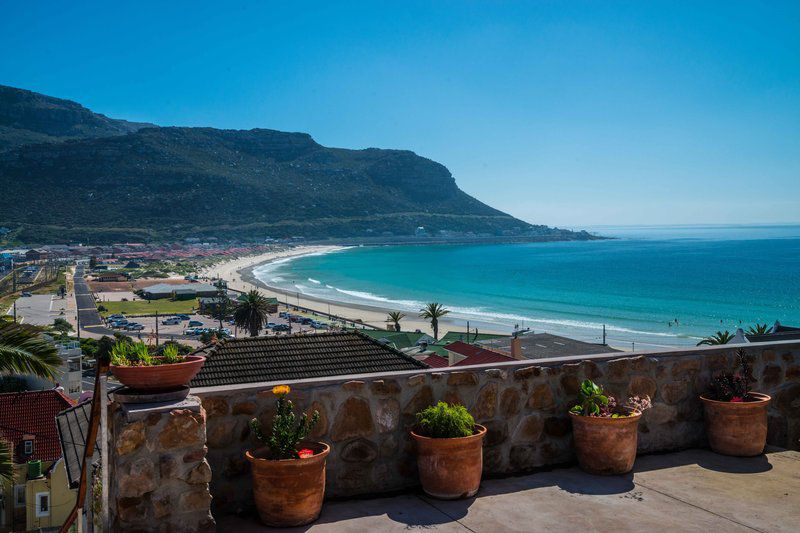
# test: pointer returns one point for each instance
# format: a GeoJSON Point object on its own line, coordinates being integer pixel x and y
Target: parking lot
{"type": "Point", "coordinates": [279, 325]}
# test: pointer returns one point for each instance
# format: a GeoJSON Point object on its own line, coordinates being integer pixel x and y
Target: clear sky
{"type": "Point", "coordinates": [564, 113]}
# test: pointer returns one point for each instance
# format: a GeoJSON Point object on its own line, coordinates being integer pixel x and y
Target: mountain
{"type": "Point", "coordinates": [70, 174]}
{"type": "Point", "coordinates": [27, 117]}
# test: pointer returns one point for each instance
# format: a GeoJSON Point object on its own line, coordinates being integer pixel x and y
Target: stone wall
{"type": "Point", "coordinates": [157, 465]}
{"type": "Point", "coordinates": [523, 404]}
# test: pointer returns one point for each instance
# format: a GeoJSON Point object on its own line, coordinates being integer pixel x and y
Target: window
{"type": "Point", "coordinates": [42, 504]}
{"type": "Point", "coordinates": [19, 495]}
{"type": "Point", "coordinates": [28, 447]}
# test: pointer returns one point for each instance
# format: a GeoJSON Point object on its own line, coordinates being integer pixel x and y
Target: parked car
{"type": "Point", "coordinates": [271, 325]}
{"type": "Point", "coordinates": [26, 294]}
{"type": "Point", "coordinates": [319, 325]}
{"type": "Point", "coordinates": [134, 327]}
{"type": "Point", "coordinates": [171, 321]}
{"type": "Point", "coordinates": [283, 314]}
{"type": "Point", "coordinates": [183, 317]}
{"type": "Point", "coordinates": [306, 321]}
{"type": "Point", "coordinates": [119, 322]}
{"type": "Point", "coordinates": [281, 327]}
{"type": "Point", "coordinates": [195, 323]}
{"type": "Point", "coordinates": [116, 317]}
{"type": "Point", "coordinates": [190, 332]}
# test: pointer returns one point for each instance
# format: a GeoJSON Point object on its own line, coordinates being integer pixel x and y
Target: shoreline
{"type": "Point", "coordinates": [239, 275]}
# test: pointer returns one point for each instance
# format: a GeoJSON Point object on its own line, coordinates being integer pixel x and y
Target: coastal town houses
{"type": "Point", "coordinates": [39, 496]}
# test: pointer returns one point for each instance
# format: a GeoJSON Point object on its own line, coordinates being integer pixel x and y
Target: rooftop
{"type": "Point", "coordinates": [32, 413]}
{"type": "Point", "coordinates": [289, 357]}
{"type": "Point", "coordinates": [693, 490]}
{"type": "Point", "coordinates": [543, 345]}
{"type": "Point", "coordinates": [476, 355]}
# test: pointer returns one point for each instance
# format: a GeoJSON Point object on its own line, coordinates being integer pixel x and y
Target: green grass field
{"type": "Point", "coordinates": [149, 307]}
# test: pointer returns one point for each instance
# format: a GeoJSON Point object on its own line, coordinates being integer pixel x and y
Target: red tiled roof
{"type": "Point", "coordinates": [475, 355]}
{"type": "Point", "coordinates": [32, 413]}
{"type": "Point", "coordinates": [435, 361]}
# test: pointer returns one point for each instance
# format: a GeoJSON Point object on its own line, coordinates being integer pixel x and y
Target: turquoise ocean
{"type": "Point", "coordinates": [653, 286]}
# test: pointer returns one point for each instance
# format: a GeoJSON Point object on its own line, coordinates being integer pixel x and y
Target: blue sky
{"type": "Point", "coordinates": [564, 113]}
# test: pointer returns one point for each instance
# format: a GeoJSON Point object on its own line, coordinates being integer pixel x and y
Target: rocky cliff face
{"type": "Point", "coordinates": [27, 117]}
{"type": "Point", "coordinates": [70, 174]}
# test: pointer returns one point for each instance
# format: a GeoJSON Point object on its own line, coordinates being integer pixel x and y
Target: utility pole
{"type": "Point", "coordinates": [15, 311]}
{"type": "Point", "coordinates": [156, 329]}
{"type": "Point", "coordinates": [604, 334]}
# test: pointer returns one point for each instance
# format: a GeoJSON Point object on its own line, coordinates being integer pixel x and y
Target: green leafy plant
{"type": "Point", "coordinates": [286, 431]}
{"type": "Point", "coordinates": [759, 329]}
{"type": "Point", "coordinates": [126, 353]}
{"type": "Point", "coordinates": [443, 421]}
{"type": "Point", "coordinates": [169, 354]}
{"type": "Point", "coordinates": [593, 401]}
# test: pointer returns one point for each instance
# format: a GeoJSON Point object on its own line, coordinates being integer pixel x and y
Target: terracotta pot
{"type": "Point", "coordinates": [737, 428]}
{"type": "Point", "coordinates": [605, 445]}
{"type": "Point", "coordinates": [289, 492]}
{"type": "Point", "coordinates": [161, 377]}
{"type": "Point", "coordinates": [451, 468]}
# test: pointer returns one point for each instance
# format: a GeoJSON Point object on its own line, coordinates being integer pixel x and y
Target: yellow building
{"type": "Point", "coordinates": [40, 495]}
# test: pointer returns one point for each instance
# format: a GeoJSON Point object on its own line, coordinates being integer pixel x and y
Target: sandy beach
{"type": "Point", "coordinates": [239, 275]}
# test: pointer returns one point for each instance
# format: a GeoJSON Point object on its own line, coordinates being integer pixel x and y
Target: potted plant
{"type": "Point", "coordinates": [135, 367]}
{"type": "Point", "coordinates": [605, 432]}
{"type": "Point", "coordinates": [449, 451]}
{"type": "Point", "coordinates": [736, 417]}
{"type": "Point", "coordinates": [288, 472]}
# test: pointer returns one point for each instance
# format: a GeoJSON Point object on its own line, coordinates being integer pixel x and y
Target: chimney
{"type": "Point", "coordinates": [516, 348]}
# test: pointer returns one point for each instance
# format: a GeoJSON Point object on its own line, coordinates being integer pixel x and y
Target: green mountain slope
{"type": "Point", "coordinates": [169, 183]}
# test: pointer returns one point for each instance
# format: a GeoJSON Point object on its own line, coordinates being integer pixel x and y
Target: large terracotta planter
{"type": "Point", "coordinates": [160, 377]}
{"type": "Point", "coordinates": [605, 446]}
{"type": "Point", "coordinates": [289, 492]}
{"type": "Point", "coordinates": [451, 468]}
{"type": "Point", "coordinates": [737, 428]}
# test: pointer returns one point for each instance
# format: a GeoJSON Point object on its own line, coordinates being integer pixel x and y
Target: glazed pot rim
{"type": "Point", "coordinates": [300, 460]}
{"type": "Point", "coordinates": [607, 419]}
{"type": "Point", "coordinates": [189, 360]}
{"type": "Point", "coordinates": [761, 398]}
{"type": "Point", "coordinates": [479, 434]}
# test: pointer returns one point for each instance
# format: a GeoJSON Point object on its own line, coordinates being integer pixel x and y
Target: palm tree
{"type": "Point", "coordinates": [434, 311]}
{"type": "Point", "coordinates": [251, 313]}
{"type": "Point", "coordinates": [396, 317]}
{"type": "Point", "coordinates": [720, 337]}
{"type": "Point", "coordinates": [758, 330]}
{"type": "Point", "coordinates": [23, 351]}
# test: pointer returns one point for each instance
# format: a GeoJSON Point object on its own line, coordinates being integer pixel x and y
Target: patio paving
{"type": "Point", "coordinates": [693, 490]}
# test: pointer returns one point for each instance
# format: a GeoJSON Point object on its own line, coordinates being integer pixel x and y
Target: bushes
{"type": "Point", "coordinates": [444, 421]}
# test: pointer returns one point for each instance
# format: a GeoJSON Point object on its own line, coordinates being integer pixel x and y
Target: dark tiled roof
{"type": "Point", "coordinates": [73, 428]}
{"type": "Point", "coordinates": [32, 413]}
{"type": "Point", "coordinates": [288, 357]}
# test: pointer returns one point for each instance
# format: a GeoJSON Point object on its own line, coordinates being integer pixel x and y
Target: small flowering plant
{"type": "Point", "coordinates": [734, 386]}
{"type": "Point", "coordinates": [593, 401]}
{"type": "Point", "coordinates": [286, 432]}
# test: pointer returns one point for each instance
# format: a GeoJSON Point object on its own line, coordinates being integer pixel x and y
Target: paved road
{"type": "Point", "coordinates": [87, 312]}
{"type": "Point", "coordinates": [38, 309]}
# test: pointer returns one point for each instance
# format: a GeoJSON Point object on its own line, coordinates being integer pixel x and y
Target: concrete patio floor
{"type": "Point", "coordinates": [693, 490]}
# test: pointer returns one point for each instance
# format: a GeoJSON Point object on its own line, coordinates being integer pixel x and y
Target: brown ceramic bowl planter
{"type": "Point", "coordinates": [450, 468]}
{"type": "Point", "coordinates": [289, 492]}
{"type": "Point", "coordinates": [606, 445]}
{"type": "Point", "coordinates": [159, 377]}
{"type": "Point", "coordinates": [737, 428]}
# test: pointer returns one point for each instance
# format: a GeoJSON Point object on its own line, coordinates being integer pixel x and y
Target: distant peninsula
{"type": "Point", "coordinates": [71, 175]}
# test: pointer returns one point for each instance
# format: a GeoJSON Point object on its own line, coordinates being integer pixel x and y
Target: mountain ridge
{"type": "Point", "coordinates": [89, 177]}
